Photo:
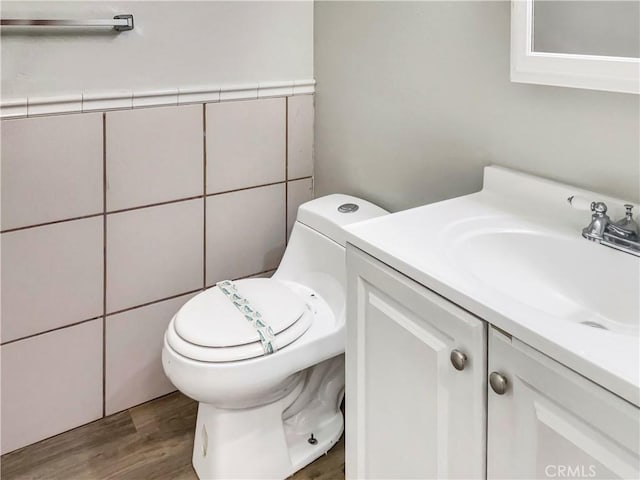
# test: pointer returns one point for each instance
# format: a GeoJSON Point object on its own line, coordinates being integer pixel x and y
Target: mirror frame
{"type": "Point", "coordinates": [614, 74]}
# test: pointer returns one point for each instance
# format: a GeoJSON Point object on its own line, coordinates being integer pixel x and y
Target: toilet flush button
{"type": "Point", "coordinates": [348, 208]}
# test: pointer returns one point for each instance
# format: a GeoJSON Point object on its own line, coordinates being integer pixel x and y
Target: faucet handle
{"type": "Point", "coordinates": [599, 222]}
{"type": "Point", "coordinates": [584, 204]}
{"type": "Point", "coordinates": [599, 208]}
{"type": "Point", "coordinates": [626, 227]}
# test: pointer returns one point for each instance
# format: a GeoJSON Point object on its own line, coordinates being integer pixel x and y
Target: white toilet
{"type": "Point", "coordinates": [264, 357]}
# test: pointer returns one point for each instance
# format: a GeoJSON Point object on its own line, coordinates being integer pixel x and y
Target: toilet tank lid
{"type": "Point", "coordinates": [330, 214]}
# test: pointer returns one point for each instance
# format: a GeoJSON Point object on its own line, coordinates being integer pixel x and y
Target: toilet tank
{"type": "Point", "coordinates": [329, 215]}
{"type": "Point", "coordinates": [315, 254]}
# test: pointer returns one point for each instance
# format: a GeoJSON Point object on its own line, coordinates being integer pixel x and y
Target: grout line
{"type": "Point", "coordinates": [44, 332]}
{"type": "Point", "coordinates": [144, 402]}
{"type": "Point", "coordinates": [168, 202]}
{"type": "Point", "coordinates": [247, 276]}
{"type": "Point", "coordinates": [259, 273]}
{"type": "Point", "coordinates": [128, 309]}
{"type": "Point", "coordinates": [204, 195]}
{"type": "Point", "coordinates": [300, 178]}
{"type": "Point", "coordinates": [53, 222]}
{"type": "Point", "coordinates": [286, 171]}
{"type": "Point", "coordinates": [92, 422]}
{"type": "Point", "coordinates": [286, 139]}
{"type": "Point", "coordinates": [104, 264]}
{"type": "Point", "coordinates": [246, 188]}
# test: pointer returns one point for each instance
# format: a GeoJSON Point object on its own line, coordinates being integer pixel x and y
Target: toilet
{"type": "Point", "coordinates": [264, 357]}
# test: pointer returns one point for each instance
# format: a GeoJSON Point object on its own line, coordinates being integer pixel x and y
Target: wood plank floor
{"type": "Point", "coordinates": [147, 442]}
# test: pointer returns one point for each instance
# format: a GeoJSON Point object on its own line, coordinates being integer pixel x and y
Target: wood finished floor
{"type": "Point", "coordinates": [150, 441]}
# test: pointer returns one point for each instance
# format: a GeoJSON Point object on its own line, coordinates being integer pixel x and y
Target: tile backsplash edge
{"type": "Point", "coordinates": [125, 100]}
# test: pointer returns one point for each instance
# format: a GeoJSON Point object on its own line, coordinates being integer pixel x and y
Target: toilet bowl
{"type": "Point", "coordinates": [264, 357]}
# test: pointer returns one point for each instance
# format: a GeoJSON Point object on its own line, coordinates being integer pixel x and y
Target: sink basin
{"type": "Point", "coordinates": [559, 275]}
{"type": "Point", "coordinates": [513, 255]}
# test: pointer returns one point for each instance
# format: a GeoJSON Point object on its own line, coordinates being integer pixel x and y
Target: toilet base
{"type": "Point", "coordinates": [256, 443]}
{"type": "Point", "coordinates": [302, 453]}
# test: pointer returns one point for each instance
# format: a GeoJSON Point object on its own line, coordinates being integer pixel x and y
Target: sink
{"type": "Point", "coordinates": [513, 255]}
{"type": "Point", "coordinates": [558, 275]}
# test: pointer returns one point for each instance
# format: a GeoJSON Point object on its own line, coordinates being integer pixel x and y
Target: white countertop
{"type": "Point", "coordinates": [417, 242]}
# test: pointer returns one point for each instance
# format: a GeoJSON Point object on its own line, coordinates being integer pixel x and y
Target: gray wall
{"type": "Point", "coordinates": [413, 99]}
{"type": "Point", "coordinates": [174, 44]}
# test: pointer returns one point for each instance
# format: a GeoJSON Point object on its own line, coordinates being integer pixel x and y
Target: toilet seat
{"type": "Point", "coordinates": [210, 328]}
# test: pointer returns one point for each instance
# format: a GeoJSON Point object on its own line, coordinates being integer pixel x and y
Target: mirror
{"type": "Point", "coordinates": [577, 43]}
{"type": "Point", "coordinates": [605, 28]}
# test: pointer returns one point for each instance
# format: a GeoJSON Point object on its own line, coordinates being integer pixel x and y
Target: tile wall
{"type": "Point", "coordinates": [110, 222]}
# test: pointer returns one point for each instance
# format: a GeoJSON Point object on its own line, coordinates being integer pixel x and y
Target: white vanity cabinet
{"type": "Point", "coordinates": [547, 421]}
{"type": "Point", "coordinates": [411, 414]}
{"type": "Point", "coordinates": [510, 412]}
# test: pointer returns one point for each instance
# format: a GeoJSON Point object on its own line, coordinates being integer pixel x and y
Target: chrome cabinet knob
{"type": "Point", "coordinates": [498, 383]}
{"type": "Point", "coordinates": [458, 359]}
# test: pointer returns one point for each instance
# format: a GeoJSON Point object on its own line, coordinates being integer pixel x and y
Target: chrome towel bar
{"type": "Point", "coordinates": [120, 23]}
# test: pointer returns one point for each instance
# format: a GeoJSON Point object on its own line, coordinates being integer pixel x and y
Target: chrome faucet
{"type": "Point", "coordinates": [626, 227]}
{"type": "Point", "coordinates": [599, 222]}
{"type": "Point", "coordinates": [623, 234]}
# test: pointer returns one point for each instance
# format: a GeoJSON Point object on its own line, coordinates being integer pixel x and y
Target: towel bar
{"type": "Point", "coordinates": [120, 23]}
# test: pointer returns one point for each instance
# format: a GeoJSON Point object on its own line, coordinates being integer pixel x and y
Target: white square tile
{"type": "Point", "coordinates": [300, 137]}
{"type": "Point", "coordinates": [154, 155]}
{"type": "Point", "coordinates": [134, 339]}
{"type": "Point", "coordinates": [245, 232]}
{"type": "Point", "coordinates": [298, 192]}
{"type": "Point", "coordinates": [51, 169]}
{"type": "Point", "coordinates": [245, 144]}
{"type": "Point", "coordinates": [51, 276]}
{"type": "Point", "coordinates": [51, 383]}
{"type": "Point", "coordinates": [154, 253]}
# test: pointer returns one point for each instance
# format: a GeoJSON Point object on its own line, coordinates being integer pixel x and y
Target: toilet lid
{"type": "Point", "coordinates": [212, 321]}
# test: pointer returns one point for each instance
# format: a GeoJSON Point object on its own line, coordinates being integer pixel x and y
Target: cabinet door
{"type": "Point", "coordinates": [410, 413]}
{"type": "Point", "coordinates": [553, 423]}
